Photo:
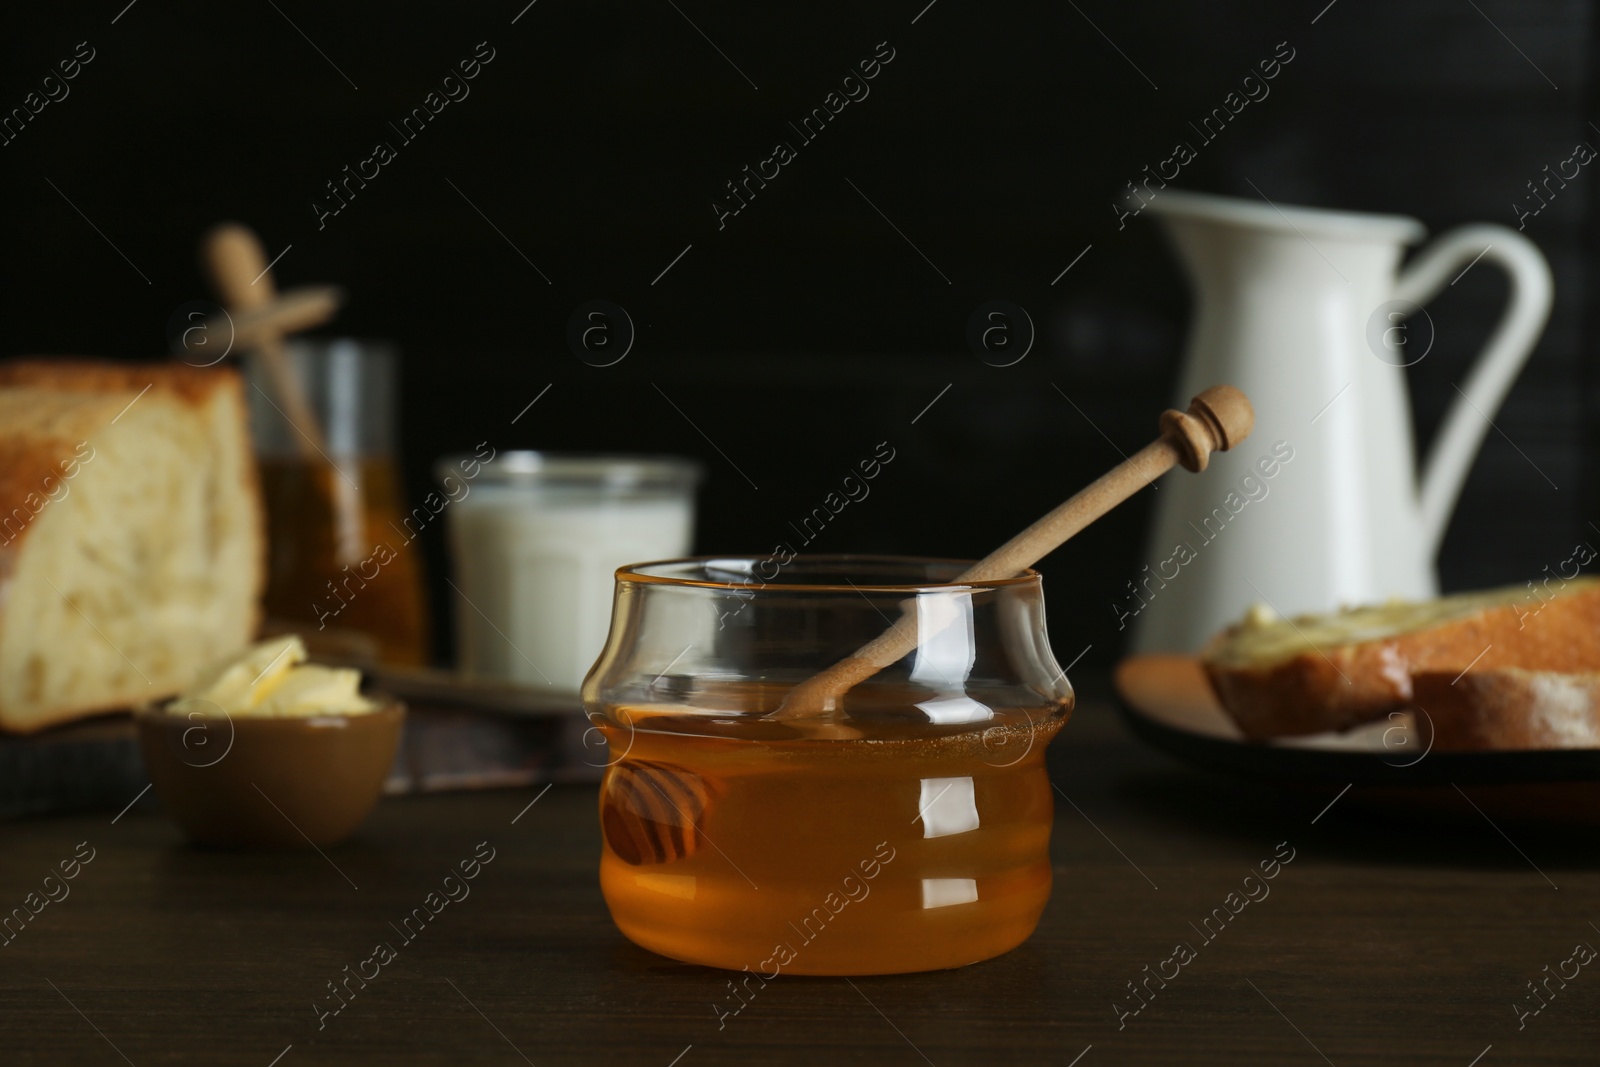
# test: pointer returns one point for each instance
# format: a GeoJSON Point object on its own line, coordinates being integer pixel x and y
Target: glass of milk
{"type": "Point", "coordinates": [535, 538]}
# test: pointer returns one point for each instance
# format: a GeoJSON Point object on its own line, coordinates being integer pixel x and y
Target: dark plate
{"type": "Point", "coordinates": [1166, 702]}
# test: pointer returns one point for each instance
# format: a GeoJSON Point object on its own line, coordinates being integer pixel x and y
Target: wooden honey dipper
{"type": "Point", "coordinates": [652, 811]}
{"type": "Point", "coordinates": [239, 270]}
{"type": "Point", "coordinates": [233, 256]}
{"type": "Point", "coordinates": [1217, 420]}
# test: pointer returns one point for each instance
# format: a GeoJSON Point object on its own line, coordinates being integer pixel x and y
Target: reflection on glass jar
{"type": "Point", "coordinates": [908, 831]}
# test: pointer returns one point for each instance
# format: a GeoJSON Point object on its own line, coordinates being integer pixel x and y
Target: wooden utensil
{"type": "Point", "coordinates": [1217, 419]}
{"type": "Point", "coordinates": [238, 267]}
{"type": "Point", "coordinates": [243, 278]}
{"type": "Point", "coordinates": [296, 310]}
{"type": "Point", "coordinates": [653, 811]}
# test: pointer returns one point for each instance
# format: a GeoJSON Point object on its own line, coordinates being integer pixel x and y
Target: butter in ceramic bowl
{"type": "Point", "coordinates": [268, 750]}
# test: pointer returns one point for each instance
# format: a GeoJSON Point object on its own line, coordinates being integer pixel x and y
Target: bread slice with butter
{"type": "Point", "coordinates": [132, 550]}
{"type": "Point", "coordinates": [1315, 673]}
{"type": "Point", "coordinates": [1508, 708]}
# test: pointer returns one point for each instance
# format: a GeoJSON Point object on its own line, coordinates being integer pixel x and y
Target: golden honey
{"type": "Point", "coordinates": [886, 845]}
{"type": "Point", "coordinates": [371, 608]}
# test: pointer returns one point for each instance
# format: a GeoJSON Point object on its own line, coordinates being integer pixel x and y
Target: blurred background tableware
{"type": "Point", "coordinates": [322, 416]}
{"type": "Point", "coordinates": [1166, 702]}
{"type": "Point", "coordinates": [341, 571]}
{"type": "Point", "coordinates": [809, 301]}
{"type": "Point", "coordinates": [252, 781]}
{"type": "Point", "coordinates": [535, 538]}
{"type": "Point", "coordinates": [1308, 312]}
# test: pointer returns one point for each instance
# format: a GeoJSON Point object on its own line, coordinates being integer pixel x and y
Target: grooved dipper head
{"type": "Point", "coordinates": [1217, 420]}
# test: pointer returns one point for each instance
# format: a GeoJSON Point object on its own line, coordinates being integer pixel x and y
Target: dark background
{"type": "Point", "coordinates": [808, 330]}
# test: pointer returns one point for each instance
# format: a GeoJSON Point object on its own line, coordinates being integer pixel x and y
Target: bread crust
{"type": "Point", "coordinates": [1509, 708]}
{"type": "Point", "coordinates": [1345, 685]}
{"type": "Point", "coordinates": [29, 456]}
{"type": "Point", "coordinates": [194, 385]}
{"type": "Point", "coordinates": [51, 406]}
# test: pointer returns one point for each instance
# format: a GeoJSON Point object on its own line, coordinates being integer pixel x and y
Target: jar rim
{"type": "Point", "coordinates": [639, 573]}
{"type": "Point", "coordinates": [611, 471]}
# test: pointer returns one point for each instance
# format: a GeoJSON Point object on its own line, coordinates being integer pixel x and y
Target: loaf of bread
{"type": "Point", "coordinates": [1508, 708]}
{"type": "Point", "coordinates": [1315, 673]}
{"type": "Point", "coordinates": [131, 534]}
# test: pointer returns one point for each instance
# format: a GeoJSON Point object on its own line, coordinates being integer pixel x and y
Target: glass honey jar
{"type": "Point", "coordinates": [905, 829]}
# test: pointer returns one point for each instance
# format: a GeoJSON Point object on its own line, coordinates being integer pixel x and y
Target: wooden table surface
{"type": "Point", "coordinates": [1385, 940]}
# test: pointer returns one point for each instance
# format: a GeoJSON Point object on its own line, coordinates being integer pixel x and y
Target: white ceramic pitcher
{"type": "Point", "coordinates": [1308, 312]}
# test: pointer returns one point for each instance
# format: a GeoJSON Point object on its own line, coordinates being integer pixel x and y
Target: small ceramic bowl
{"type": "Point", "coordinates": [269, 782]}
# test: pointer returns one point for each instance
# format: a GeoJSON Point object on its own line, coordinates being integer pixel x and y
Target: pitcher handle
{"type": "Point", "coordinates": [1460, 435]}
